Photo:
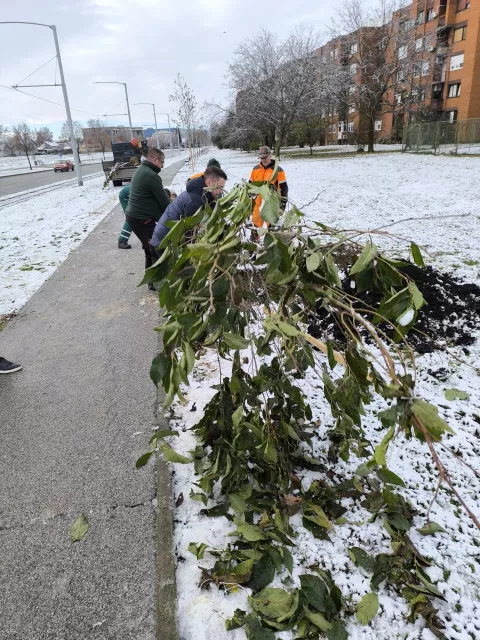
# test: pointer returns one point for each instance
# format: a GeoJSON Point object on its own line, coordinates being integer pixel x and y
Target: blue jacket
{"type": "Point", "coordinates": [185, 205]}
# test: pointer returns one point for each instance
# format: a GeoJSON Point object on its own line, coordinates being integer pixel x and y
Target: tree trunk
{"type": "Point", "coordinates": [371, 135]}
{"type": "Point", "coordinates": [311, 150]}
{"type": "Point", "coordinates": [28, 158]}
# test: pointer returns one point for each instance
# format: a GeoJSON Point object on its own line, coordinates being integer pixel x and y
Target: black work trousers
{"type": "Point", "coordinates": [144, 229]}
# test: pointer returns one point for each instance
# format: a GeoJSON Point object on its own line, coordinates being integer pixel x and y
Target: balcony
{"type": "Point", "coordinates": [437, 104]}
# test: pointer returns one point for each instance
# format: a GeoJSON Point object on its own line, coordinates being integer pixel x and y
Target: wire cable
{"type": "Point", "coordinates": [29, 76]}
{"type": "Point", "coordinates": [121, 102]}
{"type": "Point", "coordinates": [59, 104]}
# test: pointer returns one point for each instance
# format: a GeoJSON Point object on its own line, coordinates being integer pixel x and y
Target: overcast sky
{"type": "Point", "coordinates": [142, 42]}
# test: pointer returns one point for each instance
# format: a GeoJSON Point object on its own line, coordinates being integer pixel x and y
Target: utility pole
{"type": "Point", "coordinates": [128, 105]}
{"type": "Point", "coordinates": [65, 94]}
{"type": "Point", "coordinates": [155, 118]}
{"type": "Point", "coordinates": [169, 131]}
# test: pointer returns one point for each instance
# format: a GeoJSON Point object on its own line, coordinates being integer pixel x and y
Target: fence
{"type": "Point", "coordinates": [461, 137]}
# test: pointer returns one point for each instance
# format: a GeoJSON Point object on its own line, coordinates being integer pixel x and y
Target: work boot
{"type": "Point", "coordinates": [124, 245]}
{"type": "Point", "coordinates": [8, 367]}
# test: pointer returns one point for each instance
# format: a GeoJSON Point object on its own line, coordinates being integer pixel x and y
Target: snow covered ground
{"type": "Point", "coordinates": [36, 235]}
{"type": "Point", "coordinates": [19, 164]}
{"type": "Point", "coordinates": [365, 193]}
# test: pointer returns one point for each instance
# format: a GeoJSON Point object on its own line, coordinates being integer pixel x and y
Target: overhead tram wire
{"type": "Point", "coordinates": [31, 74]}
{"type": "Point", "coordinates": [31, 95]}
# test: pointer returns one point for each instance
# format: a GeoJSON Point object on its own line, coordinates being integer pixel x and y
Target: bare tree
{"type": "Point", "coordinates": [272, 78]}
{"type": "Point", "coordinates": [381, 57]}
{"type": "Point", "coordinates": [185, 110]}
{"type": "Point", "coordinates": [43, 135]}
{"type": "Point", "coordinates": [77, 132]}
{"type": "Point", "coordinates": [99, 138]}
{"type": "Point", "coordinates": [23, 140]}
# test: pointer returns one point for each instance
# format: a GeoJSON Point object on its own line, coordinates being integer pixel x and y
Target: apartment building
{"type": "Point", "coordinates": [440, 78]}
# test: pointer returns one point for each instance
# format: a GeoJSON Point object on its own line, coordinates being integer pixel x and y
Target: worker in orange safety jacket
{"type": "Point", "coordinates": [263, 172]}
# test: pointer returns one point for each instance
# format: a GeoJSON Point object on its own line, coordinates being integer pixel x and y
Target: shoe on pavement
{"type": "Point", "coordinates": [8, 367]}
{"type": "Point", "coordinates": [151, 287]}
{"type": "Point", "coordinates": [124, 245]}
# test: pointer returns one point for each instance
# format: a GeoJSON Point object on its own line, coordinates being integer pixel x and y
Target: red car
{"type": "Point", "coordinates": [64, 165]}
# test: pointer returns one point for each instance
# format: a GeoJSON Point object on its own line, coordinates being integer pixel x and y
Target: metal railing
{"type": "Point", "coordinates": [457, 138]}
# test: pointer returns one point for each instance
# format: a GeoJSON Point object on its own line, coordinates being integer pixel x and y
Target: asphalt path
{"type": "Point", "coordinates": [72, 425]}
{"type": "Point", "coordinates": [24, 181]}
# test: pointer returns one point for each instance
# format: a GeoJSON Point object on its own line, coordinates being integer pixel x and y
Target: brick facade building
{"type": "Point", "coordinates": [440, 78]}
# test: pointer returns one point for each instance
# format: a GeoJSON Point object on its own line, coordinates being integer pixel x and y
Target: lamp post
{"type": "Point", "coordinates": [65, 95]}
{"type": "Point", "coordinates": [126, 97]}
{"type": "Point", "coordinates": [169, 131]}
{"type": "Point", "coordinates": [155, 118]}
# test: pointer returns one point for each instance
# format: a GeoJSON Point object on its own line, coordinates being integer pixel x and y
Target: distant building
{"type": "Point", "coordinates": [100, 138]}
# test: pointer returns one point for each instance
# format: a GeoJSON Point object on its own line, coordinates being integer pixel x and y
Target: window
{"type": "Point", "coordinates": [401, 75]}
{"type": "Point", "coordinates": [418, 44]}
{"type": "Point", "coordinates": [417, 67]}
{"type": "Point", "coordinates": [454, 90]}
{"type": "Point", "coordinates": [460, 34]}
{"type": "Point", "coordinates": [351, 110]}
{"type": "Point", "coordinates": [398, 98]}
{"type": "Point", "coordinates": [353, 49]}
{"type": "Point", "coordinates": [422, 94]}
{"type": "Point", "coordinates": [378, 125]}
{"type": "Point", "coordinates": [353, 69]}
{"type": "Point", "coordinates": [402, 52]}
{"type": "Point", "coordinates": [431, 14]}
{"type": "Point", "coordinates": [421, 17]}
{"type": "Point", "coordinates": [335, 53]}
{"type": "Point", "coordinates": [462, 4]}
{"type": "Point", "coordinates": [451, 116]}
{"type": "Point", "coordinates": [425, 67]}
{"type": "Point", "coordinates": [456, 62]}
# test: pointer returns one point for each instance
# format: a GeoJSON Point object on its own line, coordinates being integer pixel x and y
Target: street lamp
{"type": "Point", "coordinates": [128, 105]}
{"type": "Point", "coordinates": [65, 95]}
{"type": "Point", "coordinates": [169, 130]}
{"type": "Point", "coordinates": [155, 118]}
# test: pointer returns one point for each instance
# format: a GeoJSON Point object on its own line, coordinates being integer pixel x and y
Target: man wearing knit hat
{"type": "Point", "coordinates": [263, 172]}
{"type": "Point", "coordinates": [211, 163]}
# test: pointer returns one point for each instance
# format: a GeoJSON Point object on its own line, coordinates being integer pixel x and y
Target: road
{"type": "Point", "coordinates": [24, 181]}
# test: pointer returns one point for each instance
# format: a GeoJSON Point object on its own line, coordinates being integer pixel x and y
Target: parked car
{"type": "Point", "coordinates": [63, 165]}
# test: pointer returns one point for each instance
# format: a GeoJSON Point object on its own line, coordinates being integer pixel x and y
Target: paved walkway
{"type": "Point", "coordinates": [72, 424]}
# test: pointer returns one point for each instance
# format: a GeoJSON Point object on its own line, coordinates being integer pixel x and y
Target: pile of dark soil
{"type": "Point", "coordinates": [450, 317]}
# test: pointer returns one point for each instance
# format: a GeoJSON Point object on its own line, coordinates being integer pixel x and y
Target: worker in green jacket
{"type": "Point", "coordinates": [147, 200]}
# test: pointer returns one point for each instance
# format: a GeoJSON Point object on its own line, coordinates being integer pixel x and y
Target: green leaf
{"type": "Point", "coordinates": [236, 621]}
{"type": "Point", "coordinates": [237, 416]}
{"type": "Point", "coordinates": [417, 255]}
{"type": "Point", "coordinates": [417, 297]}
{"type": "Point", "coordinates": [337, 632]}
{"type": "Point", "coordinates": [198, 550]}
{"type": "Point", "coordinates": [367, 608]}
{"type": "Point", "coordinates": [255, 631]}
{"type": "Point", "coordinates": [249, 532]}
{"type": "Point", "coordinates": [317, 619]}
{"type": "Point", "coordinates": [243, 568]}
{"type": "Point", "coordinates": [319, 516]}
{"type": "Point", "coordinates": [159, 368]}
{"type": "Point", "coordinates": [360, 557]}
{"type": "Point", "coordinates": [172, 456]}
{"type": "Point", "coordinates": [389, 477]}
{"type": "Point", "coordinates": [430, 529]}
{"type": "Point", "coordinates": [332, 363]}
{"type": "Point", "coordinates": [432, 422]}
{"type": "Point", "coordinates": [234, 341]}
{"type": "Point", "coordinates": [237, 503]}
{"type": "Point", "coordinates": [79, 528]}
{"type": "Point", "coordinates": [271, 602]}
{"type": "Point", "coordinates": [315, 591]}
{"type": "Point", "coordinates": [381, 449]}
{"type": "Point", "coordinates": [398, 521]}
{"type": "Point", "coordinates": [454, 394]}
{"type": "Point", "coordinates": [288, 560]}
{"type": "Point", "coordinates": [287, 329]}
{"type": "Point", "coordinates": [263, 573]}
{"type": "Point", "coordinates": [313, 262]}
{"type": "Point", "coordinates": [364, 259]}
{"type": "Point", "coordinates": [163, 433]}
{"type": "Point", "coordinates": [142, 460]}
